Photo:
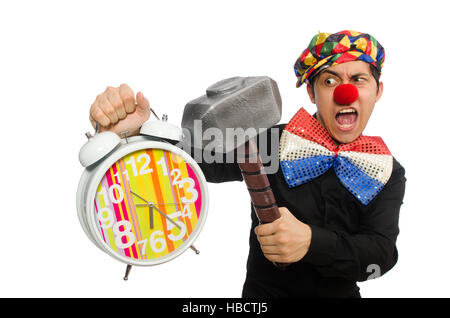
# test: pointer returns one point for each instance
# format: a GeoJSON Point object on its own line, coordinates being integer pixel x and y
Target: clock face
{"type": "Point", "coordinates": [148, 204]}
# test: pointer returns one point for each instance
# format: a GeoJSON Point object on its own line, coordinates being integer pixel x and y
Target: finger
{"type": "Point", "coordinates": [115, 100]}
{"type": "Point", "coordinates": [268, 240]}
{"type": "Point", "coordinates": [98, 116]}
{"type": "Point", "coordinates": [93, 121]}
{"type": "Point", "coordinates": [265, 229]}
{"type": "Point", "coordinates": [272, 257]}
{"type": "Point", "coordinates": [270, 250]}
{"type": "Point", "coordinates": [108, 109]}
{"type": "Point", "coordinates": [127, 96]}
{"type": "Point", "coordinates": [143, 104]}
{"type": "Point", "coordinates": [92, 110]}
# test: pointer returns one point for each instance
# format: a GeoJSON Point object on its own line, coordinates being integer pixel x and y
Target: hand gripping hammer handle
{"type": "Point", "coordinates": [258, 186]}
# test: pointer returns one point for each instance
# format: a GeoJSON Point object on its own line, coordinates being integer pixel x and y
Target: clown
{"type": "Point", "coordinates": [339, 192]}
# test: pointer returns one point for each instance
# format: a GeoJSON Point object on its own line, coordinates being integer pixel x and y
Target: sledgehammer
{"type": "Point", "coordinates": [246, 105]}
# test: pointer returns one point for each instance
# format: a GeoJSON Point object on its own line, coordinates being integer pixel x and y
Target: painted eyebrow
{"type": "Point", "coordinates": [337, 75]}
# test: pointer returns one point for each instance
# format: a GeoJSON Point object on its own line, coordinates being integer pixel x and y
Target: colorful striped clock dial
{"type": "Point", "coordinates": [125, 220]}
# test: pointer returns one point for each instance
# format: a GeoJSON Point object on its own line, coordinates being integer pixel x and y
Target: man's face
{"type": "Point", "coordinates": [345, 126]}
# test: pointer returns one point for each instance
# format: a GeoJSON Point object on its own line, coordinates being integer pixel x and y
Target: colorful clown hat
{"type": "Point", "coordinates": [330, 49]}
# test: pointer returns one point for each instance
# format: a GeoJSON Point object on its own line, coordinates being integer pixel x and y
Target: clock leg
{"type": "Point", "coordinates": [127, 272]}
{"type": "Point", "coordinates": [194, 249]}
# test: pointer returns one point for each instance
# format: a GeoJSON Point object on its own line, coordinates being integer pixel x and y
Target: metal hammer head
{"type": "Point", "coordinates": [242, 105]}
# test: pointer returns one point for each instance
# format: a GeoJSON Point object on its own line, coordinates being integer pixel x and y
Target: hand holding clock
{"type": "Point", "coordinates": [118, 110]}
{"type": "Point", "coordinates": [286, 240]}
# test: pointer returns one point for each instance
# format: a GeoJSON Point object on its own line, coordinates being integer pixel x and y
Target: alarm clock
{"type": "Point", "coordinates": [141, 199]}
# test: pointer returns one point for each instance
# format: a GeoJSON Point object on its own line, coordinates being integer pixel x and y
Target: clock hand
{"type": "Point", "coordinates": [150, 208]}
{"type": "Point", "coordinates": [159, 204]}
{"type": "Point", "coordinates": [151, 205]}
{"type": "Point", "coordinates": [163, 214]}
{"type": "Point", "coordinates": [139, 197]}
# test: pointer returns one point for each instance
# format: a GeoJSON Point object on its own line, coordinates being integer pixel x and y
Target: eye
{"type": "Point", "coordinates": [330, 81]}
{"type": "Point", "coordinates": [360, 79]}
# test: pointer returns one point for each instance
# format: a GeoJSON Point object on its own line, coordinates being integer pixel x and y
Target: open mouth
{"type": "Point", "coordinates": [346, 119]}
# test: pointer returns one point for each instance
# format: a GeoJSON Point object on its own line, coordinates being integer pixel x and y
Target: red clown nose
{"type": "Point", "coordinates": [345, 94]}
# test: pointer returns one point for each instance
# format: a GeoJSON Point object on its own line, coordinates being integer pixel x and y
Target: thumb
{"type": "Point", "coordinates": [284, 213]}
{"type": "Point", "coordinates": [142, 104]}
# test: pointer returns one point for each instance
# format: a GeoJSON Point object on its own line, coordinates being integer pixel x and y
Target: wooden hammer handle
{"type": "Point", "coordinates": [258, 185]}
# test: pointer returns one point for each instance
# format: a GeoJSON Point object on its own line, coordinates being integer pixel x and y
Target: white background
{"type": "Point", "coordinates": [56, 56]}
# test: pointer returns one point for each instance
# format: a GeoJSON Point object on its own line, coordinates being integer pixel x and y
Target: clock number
{"type": "Point", "coordinates": [106, 218]}
{"type": "Point", "coordinates": [157, 242]}
{"type": "Point", "coordinates": [190, 190]}
{"type": "Point", "coordinates": [144, 169]}
{"type": "Point", "coordinates": [176, 181]}
{"type": "Point", "coordinates": [118, 191]}
{"type": "Point", "coordinates": [186, 212]}
{"type": "Point", "coordinates": [117, 175]}
{"type": "Point", "coordinates": [162, 163]}
{"type": "Point", "coordinates": [132, 162]}
{"type": "Point", "coordinates": [104, 194]}
{"type": "Point", "coordinates": [154, 240]}
{"type": "Point", "coordinates": [170, 226]}
{"type": "Point", "coordinates": [115, 196]}
{"type": "Point", "coordinates": [144, 243]}
{"type": "Point", "coordinates": [125, 232]}
{"type": "Point", "coordinates": [177, 174]}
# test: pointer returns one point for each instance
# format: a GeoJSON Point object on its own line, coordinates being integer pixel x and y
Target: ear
{"type": "Point", "coordinates": [309, 89]}
{"type": "Point", "coordinates": [380, 91]}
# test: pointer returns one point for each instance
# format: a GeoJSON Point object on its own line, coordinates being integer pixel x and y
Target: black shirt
{"type": "Point", "coordinates": [350, 241]}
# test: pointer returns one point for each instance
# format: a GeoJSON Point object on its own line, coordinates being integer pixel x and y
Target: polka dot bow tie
{"type": "Point", "coordinates": [307, 151]}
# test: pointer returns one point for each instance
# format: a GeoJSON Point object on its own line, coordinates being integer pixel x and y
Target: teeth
{"type": "Point", "coordinates": [347, 111]}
